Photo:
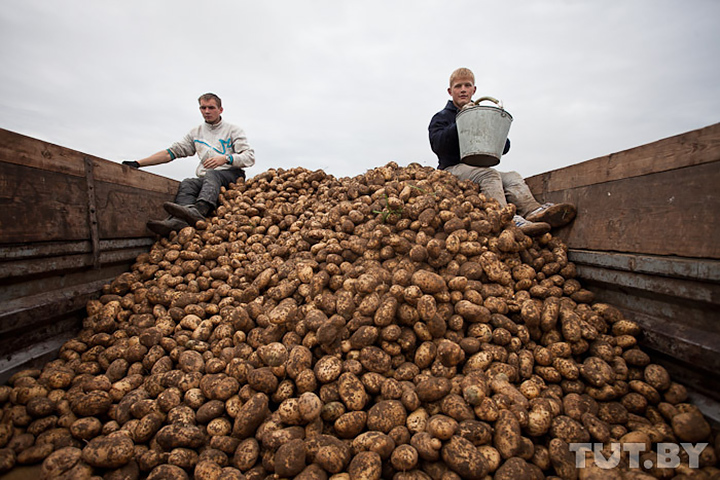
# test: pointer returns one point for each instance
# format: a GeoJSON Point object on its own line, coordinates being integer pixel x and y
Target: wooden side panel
{"type": "Point", "coordinates": [646, 240]}
{"type": "Point", "coordinates": [684, 150]}
{"type": "Point", "coordinates": [50, 193]}
{"type": "Point", "coordinates": [40, 205]}
{"type": "Point", "coordinates": [658, 199]}
{"type": "Point", "coordinates": [69, 224]}
{"type": "Point", "coordinates": [665, 213]}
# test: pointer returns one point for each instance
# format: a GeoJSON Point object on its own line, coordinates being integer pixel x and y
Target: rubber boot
{"type": "Point", "coordinates": [556, 214]}
{"type": "Point", "coordinates": [164, 227]}
{"type": "Point", "coordinates": [190, 213]}
{"type": "Point", "coordinates": [531, 229]}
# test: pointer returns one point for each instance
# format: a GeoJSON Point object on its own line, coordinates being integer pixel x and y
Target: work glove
{"type": "Point", "coordinates": [131, 163]}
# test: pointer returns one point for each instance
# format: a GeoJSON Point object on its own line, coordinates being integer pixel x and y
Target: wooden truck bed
{"type": "Point", "coordinates": [647, 240]}
{"type": "Point", "coordinates": [69, 223]}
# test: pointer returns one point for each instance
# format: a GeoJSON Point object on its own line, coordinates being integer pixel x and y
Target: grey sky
{"type": "Point", "coordinates": [345, 86]}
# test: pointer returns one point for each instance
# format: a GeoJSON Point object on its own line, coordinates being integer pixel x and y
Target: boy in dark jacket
{"type": "Point", "coordinates": [532, 218]}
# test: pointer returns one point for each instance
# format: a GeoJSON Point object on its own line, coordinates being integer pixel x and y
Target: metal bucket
{"type": "Point", "coordinates": [482, 131]}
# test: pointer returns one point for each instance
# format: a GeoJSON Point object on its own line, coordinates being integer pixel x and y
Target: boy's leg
{"type": "Point", "coordinates": [518, 193]}
{"type": "Point", "coordinates": [489, 179]}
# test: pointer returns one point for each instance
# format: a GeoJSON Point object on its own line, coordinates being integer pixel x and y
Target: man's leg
{"type": "Point", "coordinates": [188, 191]}
{"type": "Point", "coordinates": [205, 200]}
{"type": "Point", "coordinates": [214, 180]}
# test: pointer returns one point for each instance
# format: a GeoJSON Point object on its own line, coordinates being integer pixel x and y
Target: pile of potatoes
{"type": "Point", "coordinates": [392, 325]}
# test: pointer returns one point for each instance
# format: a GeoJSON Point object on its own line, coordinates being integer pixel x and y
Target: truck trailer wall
{"type": "Point", "coordinates": [69, 224]}
{"type": "Point", "coordinates": [647, 240]}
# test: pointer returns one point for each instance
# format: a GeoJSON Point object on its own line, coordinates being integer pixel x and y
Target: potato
{"type": "Point", "coordinates": [350, 424]}
{"type": "Point", "coordinates": [352, 391]}
{"type": "Point", "coordinates": [7, 459]}
{"type": "Point", "coordinates": [392, 325]}
{"type": "Point", "coordinates": [59, 462]}
{"type": "Point", "coordinates": [516, 467]}
{"type": "Point", "coordinates": [86, 428]}
{"type": "Point", "coordinates": [442, 426]}
{"type": "Point", "coordinates": [111, 451]}
{"type": "Point", "coordinates": [168, 472]}
{"type": "Point", "coordinates": [428, 282]}
{"type": "Point", "coordinates": [34, 454]}
{"type": "Point", "coordinates": [179, 435]}
{"type": "Point", "coordinates": [183, 457]}
{"type": "Point", "coordinates": [690, 427]}
{"type": "Point", "coordinates": [464, 459]}
{"type": "Point", "coordinates": [207, 470]}
{"type": "Point", "coordinates": [433, 389]}
{"type": "Point", "coordinates": [365, 466]}
{"type": "Point", "coordinates": [290, 458]}
{"type": "Point", "coordinates": [251, 415]}
{"type": "Point", "coordinates": [569, 430]}
{"type": "Point", "coordinates": [404, 458]}
{"type": "Point", "coordinates": [374, 441]}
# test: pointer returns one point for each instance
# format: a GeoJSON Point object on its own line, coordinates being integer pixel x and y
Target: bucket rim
{"type": "Point", "coordinates": [483, 107]}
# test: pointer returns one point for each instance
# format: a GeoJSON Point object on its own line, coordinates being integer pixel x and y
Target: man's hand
{"type": "Point", "coordinates": [131, 163]}
{"type": "Point", "coordinates": [214, 162]}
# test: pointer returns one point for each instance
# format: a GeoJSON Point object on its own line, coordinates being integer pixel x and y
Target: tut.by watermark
{"type": "Point", "coordinates": [668, 454]}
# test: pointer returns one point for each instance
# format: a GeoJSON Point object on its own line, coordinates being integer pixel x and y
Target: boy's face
{"type": "Point", "coordinates": [461, 91]}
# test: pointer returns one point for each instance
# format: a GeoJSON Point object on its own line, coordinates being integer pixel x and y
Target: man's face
{"type": "Point", "coordinates": [461, 91]}
{"type": "Point", "coordinates": [210, 111]}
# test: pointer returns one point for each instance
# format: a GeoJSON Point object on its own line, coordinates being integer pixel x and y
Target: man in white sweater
{"type": "Point", "coordinates": [223, 151]}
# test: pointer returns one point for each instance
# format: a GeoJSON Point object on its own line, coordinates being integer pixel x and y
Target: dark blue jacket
{"type": "Point", "coordinates": [444, 137]}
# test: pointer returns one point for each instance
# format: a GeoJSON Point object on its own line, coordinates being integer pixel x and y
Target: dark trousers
{"type": "Point", "coordinates": [207, 188]}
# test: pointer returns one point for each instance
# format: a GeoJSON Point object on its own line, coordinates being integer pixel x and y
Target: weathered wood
{"type": "Point", "coordinates": [698, 269]}
{"type": "Point", "coordinates": [71, 223]}
{"type": "Point", "coordinates": [30, 152]}
{"type": "Point", "coordinates": [646, 241]}
{"type": "Point", "coordinates": [665, 213]}
{"type": "Point", "coordinates": [680, 151]}
{"type": "Point", "coordinates": [36, 267]}
{"type": "Point", "coordinates": [42, 206]}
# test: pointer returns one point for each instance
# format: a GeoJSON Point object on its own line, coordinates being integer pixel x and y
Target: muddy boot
{"type": "Point", "coordinates": [531, 229]}
{"type": "Point", "coordinates": [190, 213]}
{"type": "Point", "coordinates": [164, 227]}
{"type": "Point", "coordinates": [556, 214]}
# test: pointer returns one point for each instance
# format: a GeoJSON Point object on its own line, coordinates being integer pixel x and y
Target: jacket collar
{"type": "Point", "coordinates": [451, 106]}
{"type": "Point", "coordinates": [214, 125]}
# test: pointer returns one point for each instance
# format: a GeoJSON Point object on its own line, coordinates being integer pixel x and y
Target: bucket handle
{"type": "Point", "coordinates": [494, 100]}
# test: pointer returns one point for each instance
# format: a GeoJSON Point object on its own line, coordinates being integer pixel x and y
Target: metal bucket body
{"type": "Point", "coordinates": [482, 131]}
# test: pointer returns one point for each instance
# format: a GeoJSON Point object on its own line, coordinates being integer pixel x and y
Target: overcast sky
{"type": "Point", "coordinates": [345, 86]}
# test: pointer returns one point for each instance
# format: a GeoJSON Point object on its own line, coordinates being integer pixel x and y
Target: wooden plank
{"type": "Point", "coordinates": [56, 249]}
{"type": "Point", "coordinates": [22, 150]}
{"type": "Point", "coordinates": [17, 340]}
{"type": "Point", "coordinates": [685, 150]}
{"type": "Point", "coordinates": [41, 205]}
{"type": "Point", "coordinates": [54, 277]}
{"type": "Point", "coordinates": [31, 311]}
{"type": "Point", "coordinates": [666, 213]}
{"type": "Point", "coordinates": [46, 206]}
{"type": "Point", "coordinates": [678, 288]}
{"type": "Point", "coordinates": [123, 211]}
{"type": "Point", "coordinates": [65, 263]}
{"type": "Point", "coordinates": [696, 269]}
